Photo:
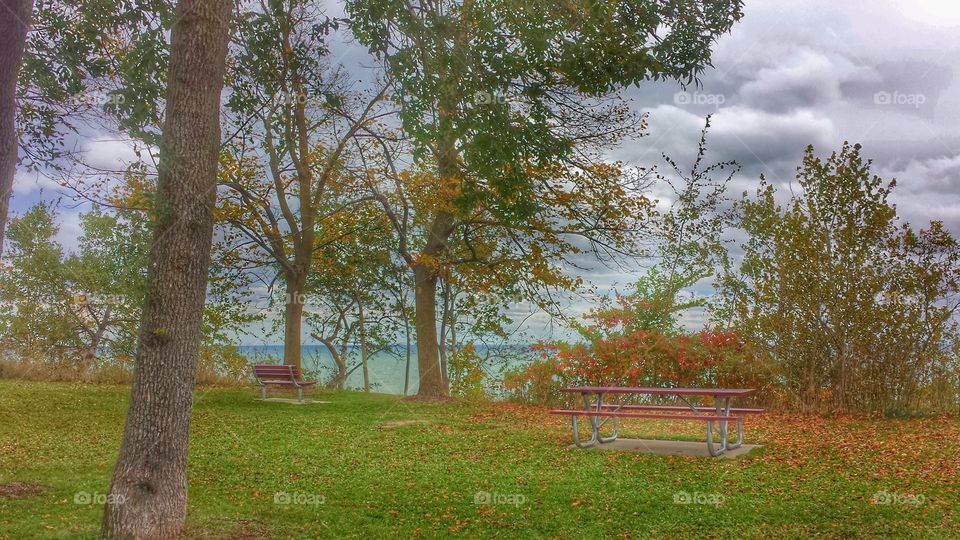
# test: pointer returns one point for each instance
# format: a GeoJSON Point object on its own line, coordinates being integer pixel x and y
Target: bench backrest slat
{"type": "Point", "coordinates": [273, 371]}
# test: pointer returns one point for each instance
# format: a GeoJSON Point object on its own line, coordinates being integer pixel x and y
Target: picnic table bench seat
{"type": "Point", "coordinates": [680, 408]}
{"type": "Point", "coordinates": [705, 417]}
{"type": "Point", "coordinates": [284, 375]}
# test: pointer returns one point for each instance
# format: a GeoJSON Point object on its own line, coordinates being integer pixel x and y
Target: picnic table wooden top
{"type": "Point", "coordinates": [723, 392]}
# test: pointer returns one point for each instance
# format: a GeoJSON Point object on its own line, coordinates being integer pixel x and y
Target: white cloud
{"type": "Point", "coordinates": [26, 183]}
{"type": "Point", "coordinates": [767, 139]}
{"type": "Point", "coordinates": [109, 153]}
{"type": "Point", "coordinates": [70, 229]}
{"type": "Point", "coordinates": [805, 79]}
{"type": "Point", "coordinates": [939, 13]}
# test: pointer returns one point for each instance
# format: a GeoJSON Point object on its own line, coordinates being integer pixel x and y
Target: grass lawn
{"type": "Point", "coordinates": [375, 466]}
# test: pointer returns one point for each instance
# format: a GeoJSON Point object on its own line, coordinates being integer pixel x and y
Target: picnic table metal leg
{"type": "Point", "coordinates": [616, 432]}
{"type": "Point", "coordinates": [723, 409]}
{"type": "Point", "coordinates": [599, 423]}
{"type": "Point", "coordinates": [722, 406]}
{"type": "Point", "coordinates": [576, 434]}
{"type": "Point", "coordinates": [594, 424]}
{"type": "Point", "coordinates": [739, 442]}
{"type": "Point", "coordinates": [727, 444]}
{"type": "Point", "coordinates": [714, 452]}
{"type": "Point", "coordinates": [588, 406]}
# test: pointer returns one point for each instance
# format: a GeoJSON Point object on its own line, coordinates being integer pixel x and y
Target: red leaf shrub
{"type": "Point", "coordinates": [620, 348]}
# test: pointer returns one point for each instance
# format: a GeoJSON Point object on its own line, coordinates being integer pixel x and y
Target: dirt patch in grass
{"type": "Point", "coordinates": [20, 490]}
{"type": "Point", "coordinates": [392, 424]}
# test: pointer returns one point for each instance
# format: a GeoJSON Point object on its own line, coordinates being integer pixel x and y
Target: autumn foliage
{"type": "Point", "coordinates": [633, 344]}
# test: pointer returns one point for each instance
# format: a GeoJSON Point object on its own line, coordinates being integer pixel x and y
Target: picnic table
{"type": "Point", "coordinates": [717, 418]}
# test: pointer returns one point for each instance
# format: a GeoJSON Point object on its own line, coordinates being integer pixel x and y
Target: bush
{"type": "Point", "coordinates": [466, 374]}
{"type": "Point", "coordinates": [619, 348]}
{"type": "Point", "coordinates": [855, 308]}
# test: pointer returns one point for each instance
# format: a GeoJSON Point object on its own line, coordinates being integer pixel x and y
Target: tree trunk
{"type": "Point", "coordinates": [406, 370]}
{"type": "Point", "coordinates": [339, 378]}
{"type": "Point", "coordinates": [428, 361]}
{"type": "Point", "coordinates": [442, 340]}
{"type": "Point", "coordinates": [448, 347]}
{"type": "Point", "coordinates": [90, 353]}
{"type": "Point", "coordinates": [432, 382]}
{"type": "Point", "coordinates": [14, 22]}
{"type": "Point", "coordinates": [425, 273]}
{"type": "Point", "coordinates": [293, 318]}
{"type": "Point", "coordinates": [402, 303]}
{"type": "Point", "coordinates": [148, 494]}
{"type": "Point", "coordinates": [363, 347]}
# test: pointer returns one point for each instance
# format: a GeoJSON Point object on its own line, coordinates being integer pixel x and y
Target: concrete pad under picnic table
{"type": "Point", "coordinates": [668, 448]}
{"type": "Point", "coordinates": [291, 401]}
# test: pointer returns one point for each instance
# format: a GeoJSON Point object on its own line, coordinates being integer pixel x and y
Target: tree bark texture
{"type": "Point", "coordinates": [293, 318]}
{"type": "Point", "coordinates": [14, 23]}
{"type": "Point", "coordinates": [148, 494]}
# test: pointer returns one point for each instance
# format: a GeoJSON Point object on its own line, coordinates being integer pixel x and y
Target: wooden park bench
{"type": "Point", "coordinates": [717, 418]}
{"type": "Point", "coordinates": [284, 375]}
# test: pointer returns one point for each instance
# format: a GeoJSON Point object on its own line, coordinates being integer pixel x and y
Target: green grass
{"type": "Point", "coordinates": [814, 478]}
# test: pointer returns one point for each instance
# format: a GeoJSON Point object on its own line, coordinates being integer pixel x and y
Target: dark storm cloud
{"type": "Point", "coordinates": [760, 142]}
{"type": "Point", "coordinates": [803, 79]}
{"type": "Point", "coordinates": [897, 154]}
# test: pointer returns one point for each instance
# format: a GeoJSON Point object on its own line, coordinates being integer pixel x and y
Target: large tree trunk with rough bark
{"type": "Point", "coordinates": [432, 383]}
{"type": "Point", "coordinates": [428, 357]}
{"type": "Point", "coordinates": [148, 494]}
{"type": "Point", "coordinates": [14, 22]}
{"type": "Point", "coordinates": [293, 318]}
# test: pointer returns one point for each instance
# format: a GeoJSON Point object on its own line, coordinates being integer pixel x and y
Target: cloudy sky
{"type": "Point", "coordinates": [882, 73]}
{"type": "Point", "coordinates": [877, 72]}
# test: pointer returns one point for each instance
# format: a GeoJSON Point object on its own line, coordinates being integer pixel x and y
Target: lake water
{"type": "Point", "coordinates": [386, 368]}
